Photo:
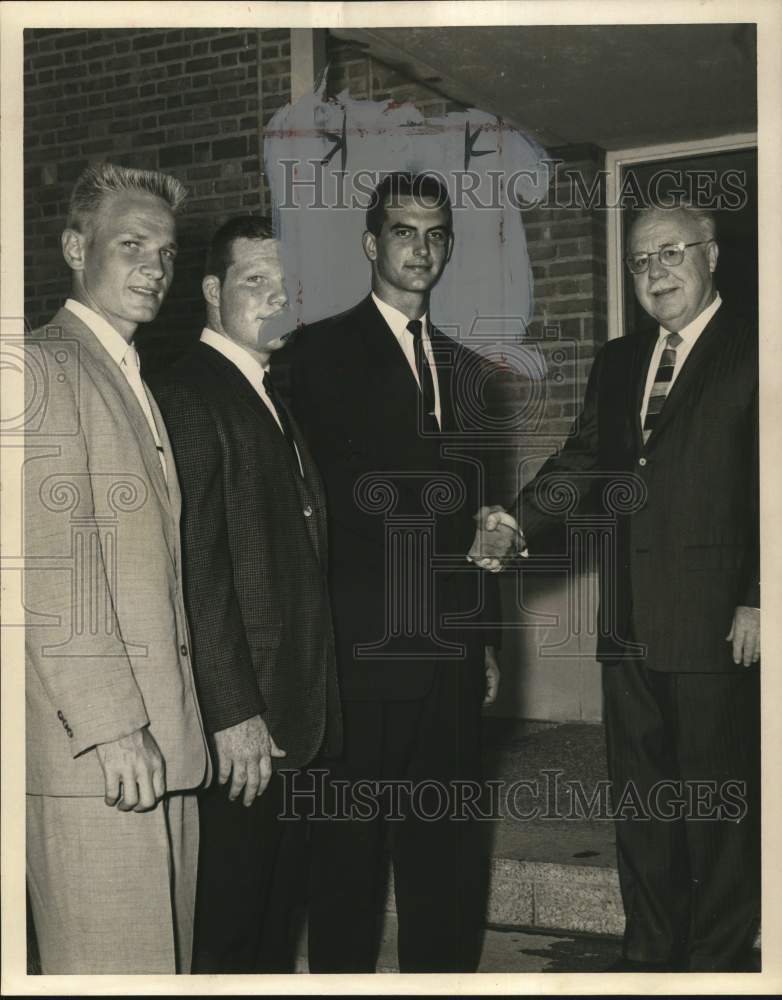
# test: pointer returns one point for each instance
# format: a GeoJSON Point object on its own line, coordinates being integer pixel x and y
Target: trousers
{"type": "Point", "coordinates": [110, 891]}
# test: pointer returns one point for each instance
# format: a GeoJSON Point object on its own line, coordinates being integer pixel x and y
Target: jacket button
{"type": "Point", "coordinates": [642, 461]}
{"type": "Point", "coordinates": [183, 649]}
{"type": "Point", "coordinates": [308, 511]}
{"type": "Point", "coordinates": [60, 716]}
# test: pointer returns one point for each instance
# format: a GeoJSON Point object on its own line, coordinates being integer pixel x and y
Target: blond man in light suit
{"type": "Point", "coordinates": [115, 743]}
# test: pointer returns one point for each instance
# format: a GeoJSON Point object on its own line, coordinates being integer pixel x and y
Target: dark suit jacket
{"type": "Point", "coordinates": [254, 543]}
{"type": "Point", "coordinates": [685, 504]}
{"type": "Point", "coordinates": [389, 489]}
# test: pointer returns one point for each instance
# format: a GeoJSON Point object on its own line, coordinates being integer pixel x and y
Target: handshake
{"type": "Point", "coordinates": [498, 538]}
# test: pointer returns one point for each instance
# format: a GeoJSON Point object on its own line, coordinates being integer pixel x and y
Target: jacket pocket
{"type": "Point", "coordinates": [263, 636]}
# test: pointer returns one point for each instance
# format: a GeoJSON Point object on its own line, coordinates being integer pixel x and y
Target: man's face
{"type": "Point", "coordinates": [412, 249]}
{"type": "Point", "coordinates": [124, 263]}
{"type": "Point", "coordinates": [674, 296]}
{"type": "Point", "coordinates": [251, 292]}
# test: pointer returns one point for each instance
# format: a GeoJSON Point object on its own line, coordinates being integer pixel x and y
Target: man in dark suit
{"type": "Point", "coordinates": [670, 417]}
{"type": "Point", "coordinates": [254, 543]}
{"type": "Point", "coordinates": [380, 395]}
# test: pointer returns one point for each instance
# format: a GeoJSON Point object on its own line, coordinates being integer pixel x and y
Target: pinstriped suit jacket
{"type": "Point", "coordinates": [685, 551]}
{"type": "Point", "coordinates": [107, 644]}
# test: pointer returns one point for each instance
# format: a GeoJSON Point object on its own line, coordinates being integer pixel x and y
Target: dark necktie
{"type": "Point", "coordinates": [282, 415]}
{"type": "Point", "coordinates": [662, 383]}
{"type": "Point", "coordinates": [425, 380]}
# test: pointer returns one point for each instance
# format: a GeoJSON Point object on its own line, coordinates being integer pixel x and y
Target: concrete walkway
{"type": "Point", "coordinates": [553, 856]}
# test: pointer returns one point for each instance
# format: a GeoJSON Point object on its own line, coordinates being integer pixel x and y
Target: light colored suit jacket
{"type": "Point", "coordinates": [107, 649]}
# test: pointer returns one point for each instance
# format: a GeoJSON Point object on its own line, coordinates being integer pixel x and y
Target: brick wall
{"type": "Point", "coordinates": [185, 101]}
{"type": "Point", "coordinates": [567, 247]}
{"type": "Point", "coordinates": [189, 101]}
{"type": "Point", "coordinates": [350, 68]}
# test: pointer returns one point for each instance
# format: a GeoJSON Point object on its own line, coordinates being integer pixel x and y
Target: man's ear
{"type": "Point", "coordinates": [450, 247]}
{"type": "Point", "coordinates": [369, 242]}
{"type": "Point", "coordinates": [714, 252]}
{"type": "Point", "coordinates": [210, 287]}
{"type": "Point", "coordinates": [73, 247]}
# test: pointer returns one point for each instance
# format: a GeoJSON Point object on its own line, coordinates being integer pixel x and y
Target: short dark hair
{"type": "Point", "coordinates": [425, 187]}
{"type": "Point", "coordinates": [220, 254]}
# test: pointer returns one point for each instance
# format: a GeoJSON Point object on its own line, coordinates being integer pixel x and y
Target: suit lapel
{"type": "Point", "coordinates": [691, 371]}
{"type": "Point", "coordinates": [239, 386]}
{"type": "Point", "coordinates": [646, 341]}
{"type": "Point", "coordinates": [393, 399]}
{"type": "Point", "coordinates": [311, 492]}
{"type": "Point", "coordinates": [444, 356]}
{"type": "Point", "coordinates": [106, 371]}
{"type": "Point", "coordinates": [172, 483]}
{"type": "Point", "coordinates": [394, 384]}
{"type": "Point", "coordinates": [227, 373]}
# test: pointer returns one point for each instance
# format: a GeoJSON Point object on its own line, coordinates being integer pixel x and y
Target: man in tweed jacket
{"type": "Point", "coordinates": [115, 743]}
{"type": "Point", "coordinates": [254, 541]}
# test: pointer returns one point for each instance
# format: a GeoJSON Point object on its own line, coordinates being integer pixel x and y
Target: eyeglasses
{"type": "Point", "coordinates": [670, 256]}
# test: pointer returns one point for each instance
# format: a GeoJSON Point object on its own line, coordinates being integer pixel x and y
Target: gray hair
{"type": "Point", "coordinates": [102, 179]}
{"type": "Point", "coordinates": [702, 217]}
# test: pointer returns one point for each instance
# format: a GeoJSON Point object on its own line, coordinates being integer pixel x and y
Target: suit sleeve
{"type": "Point", "coordinates": [750, 589]}
{"type": "Point", "coordinates": [564, 482]}
{"type": "Point", "coordinates": [85, 671]}
{"type": "Point", "coordinates": [227, 685]}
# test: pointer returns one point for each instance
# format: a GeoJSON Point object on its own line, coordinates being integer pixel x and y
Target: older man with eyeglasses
{"type": "Point", "coordinates": [670, 420]}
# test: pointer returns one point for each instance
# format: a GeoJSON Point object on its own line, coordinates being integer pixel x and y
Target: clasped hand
{"type": "Point", "coordinates": [497, 539]}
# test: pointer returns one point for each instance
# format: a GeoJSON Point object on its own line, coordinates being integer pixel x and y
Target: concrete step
{"type": "Point", "coordinates": [550, 871]}
{"type": "Point", "coordinates": [512, 950]}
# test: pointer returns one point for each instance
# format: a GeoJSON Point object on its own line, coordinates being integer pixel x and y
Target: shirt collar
{"type": "Point", "coordinates": [249, 366]}
{"type": "Point", "coordinates": [694, 329]}
{"type": "Point", "coordinates": [110, 339]}
{"type": "Point", "coordinates": [396, 319]}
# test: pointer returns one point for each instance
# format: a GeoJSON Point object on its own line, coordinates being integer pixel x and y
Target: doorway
{"type": "Point", "coordinates": [722, 175]}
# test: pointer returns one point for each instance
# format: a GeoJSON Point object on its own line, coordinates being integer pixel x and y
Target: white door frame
{"type": "Point", "coordinates": [616, 160]}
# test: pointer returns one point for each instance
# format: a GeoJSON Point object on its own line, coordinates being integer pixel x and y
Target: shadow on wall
{"type": "Point", "coordinates": [548, 665]}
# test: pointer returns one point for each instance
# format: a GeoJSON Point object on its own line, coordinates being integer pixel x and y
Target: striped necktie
{"type": "Point", "coordinates": [662, 383]}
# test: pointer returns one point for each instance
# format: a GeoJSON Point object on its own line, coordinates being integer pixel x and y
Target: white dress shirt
{"type": "Point", "coordinates": [397, 321]}
{"type": "Point", "coordinates": [125, 356]}
{"type": "Point", "coordinates": [250, 367]}
{"type": "Point", "coordinates": [689, 336]}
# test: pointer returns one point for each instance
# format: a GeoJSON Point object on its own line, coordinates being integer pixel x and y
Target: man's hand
{"type": "Point", "coordinates": [497, 538]}
{"type": "Point", "coordinates": [244, 752]}
{"type": "Point", "coordinates": [134, 771]}
{"type": "Point", "coordinates": [745, 635]}
{"type": "Point", "coordinates": [492, 676]}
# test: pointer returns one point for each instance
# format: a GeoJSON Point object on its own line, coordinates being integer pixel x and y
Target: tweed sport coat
{"type": "Point", "coordinates": [255, 558]}
{"type": "Point", "coordinates": [107, 643]}
{"type": "Point", "coordinates": [685, 504]}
